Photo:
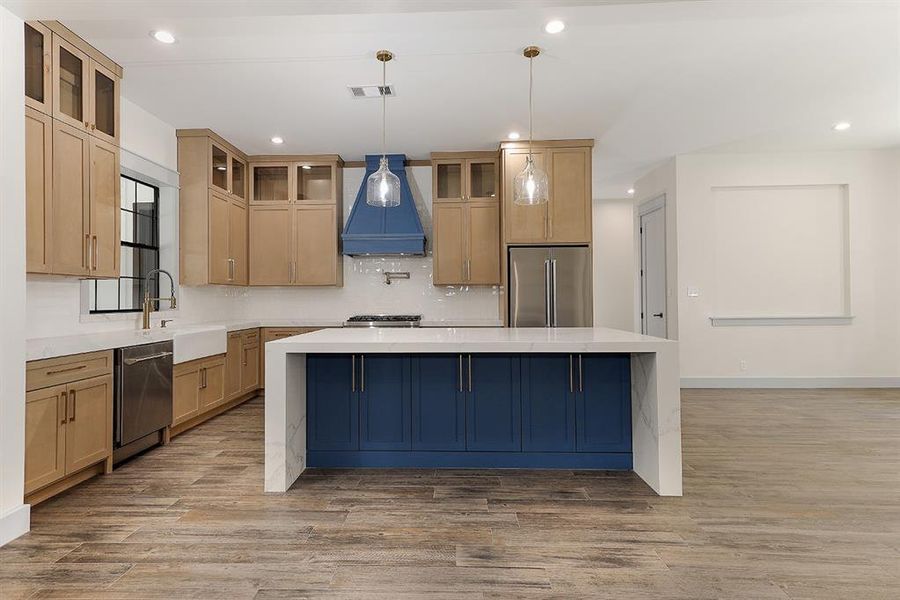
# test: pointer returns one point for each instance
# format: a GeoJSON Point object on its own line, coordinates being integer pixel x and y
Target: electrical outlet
{"type": "Point", "coordinates": [743, 365]}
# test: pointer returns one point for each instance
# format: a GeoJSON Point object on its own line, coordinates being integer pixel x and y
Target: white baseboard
{"type": "Point", "coordinates": [790, 382]}
{"type": "Point", "coordinates": [15, 523]}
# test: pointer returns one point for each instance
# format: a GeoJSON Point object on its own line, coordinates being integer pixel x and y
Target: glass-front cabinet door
{"type": "Point", "coordinates": [105, 104]}
{"type": "Point", "coordinates": [238, 178]}
{"type": "Point", "coordinates": [270, 183]}
{"type": "Point", "coordinates": [38, 78]}
{"type": "Point", "coordinates": [449, 184]}
{"type": "Point", "coordinates": [481, 179]}
{"type": "Point", "coordinates": [219, 165]}
{"type": "Point", "coordinates": [315, 184]}
{"type": "Point", "coordinates": [71, 69]}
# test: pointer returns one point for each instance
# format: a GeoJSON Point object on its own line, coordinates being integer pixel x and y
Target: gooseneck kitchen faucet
{"type": "Point", "coordinates": [148, 301]}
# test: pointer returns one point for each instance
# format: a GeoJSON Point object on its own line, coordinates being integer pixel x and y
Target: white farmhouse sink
{"type": "Point", "coordinates": [191, 343]}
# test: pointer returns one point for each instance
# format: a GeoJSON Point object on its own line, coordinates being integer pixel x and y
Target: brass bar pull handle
{"type": "Point", "coordinates": [470, 373]}
{"type": "Point", "coordinates": [74, 403]}
{"type": "Point", "coordinates": [362, 372]}
{"type": "Point", "coordinates": [67, 370]}
{"type": "Point", "coordinates": [86, 259]}
{"type": "Point", "coordinates": [571, 376]}
{"type": "Point", "coordinates": [459, 373]}
{"type": "Point", "coordinates": [95, 253]}
{"type": "Point", "coordinates": [65, 407]}
{"type": "Point", "coordinates": [580, 375]}
{"type": "Point", "coordinates": [352, 372]}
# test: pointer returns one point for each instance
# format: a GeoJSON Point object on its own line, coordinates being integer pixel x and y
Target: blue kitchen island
{"type": "Point", "coordinates": [576, 398]}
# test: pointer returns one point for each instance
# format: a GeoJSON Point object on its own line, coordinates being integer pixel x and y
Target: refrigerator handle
{"type": "Point", "coordinates": [548, 322]}
{"type": "Point", "coordinates": [553, 283]}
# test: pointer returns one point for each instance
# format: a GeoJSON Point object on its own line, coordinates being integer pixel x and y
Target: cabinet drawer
{"type": "Point", "coordinates": [250, 337]}
{"type": "Point", "coordinates": [54, 371]}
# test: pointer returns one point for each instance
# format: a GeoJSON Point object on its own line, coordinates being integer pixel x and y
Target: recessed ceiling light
{"type": "Point", "coordinates": [277, 140]}
{"type": "Point", "coordinates": [163, 36]}
{"type": "Point", "coordinates": [307, 167]}
{"type": "Point", "coordinates": [631, 191]}
{"type": "Point", "coordinates": [554, 26]}
{"type": "Point", "coordinates": [841, 126]}
{"type": "Point", "coordinates": [513, 135]}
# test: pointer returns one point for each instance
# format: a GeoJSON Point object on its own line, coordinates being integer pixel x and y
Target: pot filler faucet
{"type": "Point", "coordinates": [148, 301]}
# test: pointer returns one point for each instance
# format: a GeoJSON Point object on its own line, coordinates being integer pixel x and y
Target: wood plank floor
{"type": "Point", "coordinates": [788, 494]}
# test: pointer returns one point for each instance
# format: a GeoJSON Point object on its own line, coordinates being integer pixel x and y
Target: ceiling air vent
{"type": "Point", "coordinates": [372, 91]}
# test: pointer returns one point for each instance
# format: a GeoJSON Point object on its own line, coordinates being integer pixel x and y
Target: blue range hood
{"type": "Point", "coordinates": [372, 230]}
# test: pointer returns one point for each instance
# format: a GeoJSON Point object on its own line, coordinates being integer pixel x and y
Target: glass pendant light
{"type": "Point", "coordinates": [530, 186]}
{"type": "Point", "coordinates": [382, 186]}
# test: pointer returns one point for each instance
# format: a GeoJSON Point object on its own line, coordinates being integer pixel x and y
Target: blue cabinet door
{"type": "Point", "coordinates": [603, 406]}
{"type": "Point", "coordinates": [331, 403]}
{"type": "Point", "coordinates": [438, 402]}
{"type": "Point", "coordinates": [493, 402]}
{"type": "Point", "coordinates": [384, 402]}
{"type": "Point", "coordinates": [548, 402]}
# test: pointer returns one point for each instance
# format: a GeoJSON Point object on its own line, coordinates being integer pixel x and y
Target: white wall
{"type": "Point", "coordinates": [614, 263]}
{"type": "Point", "coordinates": [148, 136]}
{"type": "Point", "coordinates": [364, 290]}
{"type": "Point", "coordinates": [869, 347]}
{"type": "Point", "coordinates": [14, 516]}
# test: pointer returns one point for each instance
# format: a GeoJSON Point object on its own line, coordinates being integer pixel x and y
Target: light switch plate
{"type": "Point", "coordinates": [693, 292]}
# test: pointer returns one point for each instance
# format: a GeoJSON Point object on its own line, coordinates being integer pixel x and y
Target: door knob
{"type": "Point", "coordinates": [658, 315]}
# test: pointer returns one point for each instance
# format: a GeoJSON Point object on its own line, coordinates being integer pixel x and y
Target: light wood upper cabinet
{"type": "Point", "coordinates": [566, 218]}
{"type": "Point", "coordinates": [105, 221]}
{"type": "Point", "coordinates": [271, 183]}
{"type": "Point", "coordinates": [70, 225]}
{"type": "Point", "coordinates": [466, 243]}
{"type": "Point", "coordinates": [271, 243]}
{"type": "Point", "coordinates": [315, 242]}
{"type": "Point", "coordinates": [219, 224]}
{"type": "Point", "coordinates": [45, 436]}
{"type": "Point", "coordinates": [465, 176]}
{"type": "Point", "coordinates": [316, 182]}
{"type": "Point", "coordinates": [85, 92]}
{"type": "Point", "coordinates": [239, 184]}
{"type": "Point", "coordinates": [71, 159]}
{"type": "Point", "coordinates": [89, 426]}
{"type": "Point", "coordinates": [38, 67]}
{"type": "Point", "coordinates": [38, 190]}
{"type": "Point", "coordinates": [449, 243]}
{"type": "Point", "coordinates": [315, 179]}
{"type": "Point", "coordinates": [237, 242]}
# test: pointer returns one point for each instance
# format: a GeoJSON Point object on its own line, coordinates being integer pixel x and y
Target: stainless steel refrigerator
{"type": "Point", "coordinates": [550, 286]}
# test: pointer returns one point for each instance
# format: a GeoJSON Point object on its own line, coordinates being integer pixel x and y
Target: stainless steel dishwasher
{"type": "Point", "coordinates": [143, 406]}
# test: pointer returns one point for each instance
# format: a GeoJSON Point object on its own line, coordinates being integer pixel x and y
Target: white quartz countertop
{"type": "Point", "coordinates": [469, 340]}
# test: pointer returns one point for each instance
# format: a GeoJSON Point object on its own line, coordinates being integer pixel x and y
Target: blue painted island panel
{"type": "Point", "coordinates": [332, 403]}
{"type": "Point", "coordinates": [548, 403]}
{"type": "Point", "coordinates": [384, 402]}
{"type": "Point", "coordinates": [493, 402]}
{"type": "Point", "coordinates": [438, 402]}
{"type": "Point", "coordinates": [604, 406]}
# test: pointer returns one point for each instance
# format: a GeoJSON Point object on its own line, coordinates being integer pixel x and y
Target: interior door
{"type": "Point", "coordinates": [237, 242]}
{"type": "Point", "coordinates": [70, 225]}
{"type": "Point", "coordinates": [528, 287]}
{"type": "Point", "coordinates": [270, 245]}
{"type": "Point", "coordinates": [654, 316]}
{"type": "Point", "coordinates": [219, 226]}
{"type": "Point", "coordinates": [572, 288]}
{"type": "Point", "coordinates": [38, 190]}
{"type": "Point", "coordinates": [105, 214]}
{"type": "Point", "coordinates": [89, 426]}
{"type": "Point", "coordinates": [449, 243]}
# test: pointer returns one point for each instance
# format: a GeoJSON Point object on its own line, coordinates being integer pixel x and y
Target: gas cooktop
{"type": "Point", "coordinates": [383, 321]}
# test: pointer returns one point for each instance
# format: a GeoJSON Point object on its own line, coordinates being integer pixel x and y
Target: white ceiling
{"type": "Point", "coordinates": [647, 80]}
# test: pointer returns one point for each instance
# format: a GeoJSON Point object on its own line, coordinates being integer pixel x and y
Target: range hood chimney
{"type": "Point", "coordinates": [377, 231]}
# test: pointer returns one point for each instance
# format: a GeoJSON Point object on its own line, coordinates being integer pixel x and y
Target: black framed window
{"type": "Point", "coordinates": [139, 214]}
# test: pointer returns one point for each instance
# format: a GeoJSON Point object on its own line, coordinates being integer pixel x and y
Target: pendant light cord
{"type": "Point", "coordinates": [383, 109]}
{"type": "Point", "coordinates": [530, 105]}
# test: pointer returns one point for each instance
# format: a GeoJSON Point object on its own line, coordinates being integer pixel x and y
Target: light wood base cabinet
{"type": "Point", "coordinates": [68, 420]}
{"type": "Point", "coordinates": [198, 386]}
{"type": "Point", "coordinates": [242, 363]}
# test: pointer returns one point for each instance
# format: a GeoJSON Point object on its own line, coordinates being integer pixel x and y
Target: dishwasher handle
{"type": "Point", "coordinates": [134, 361]}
